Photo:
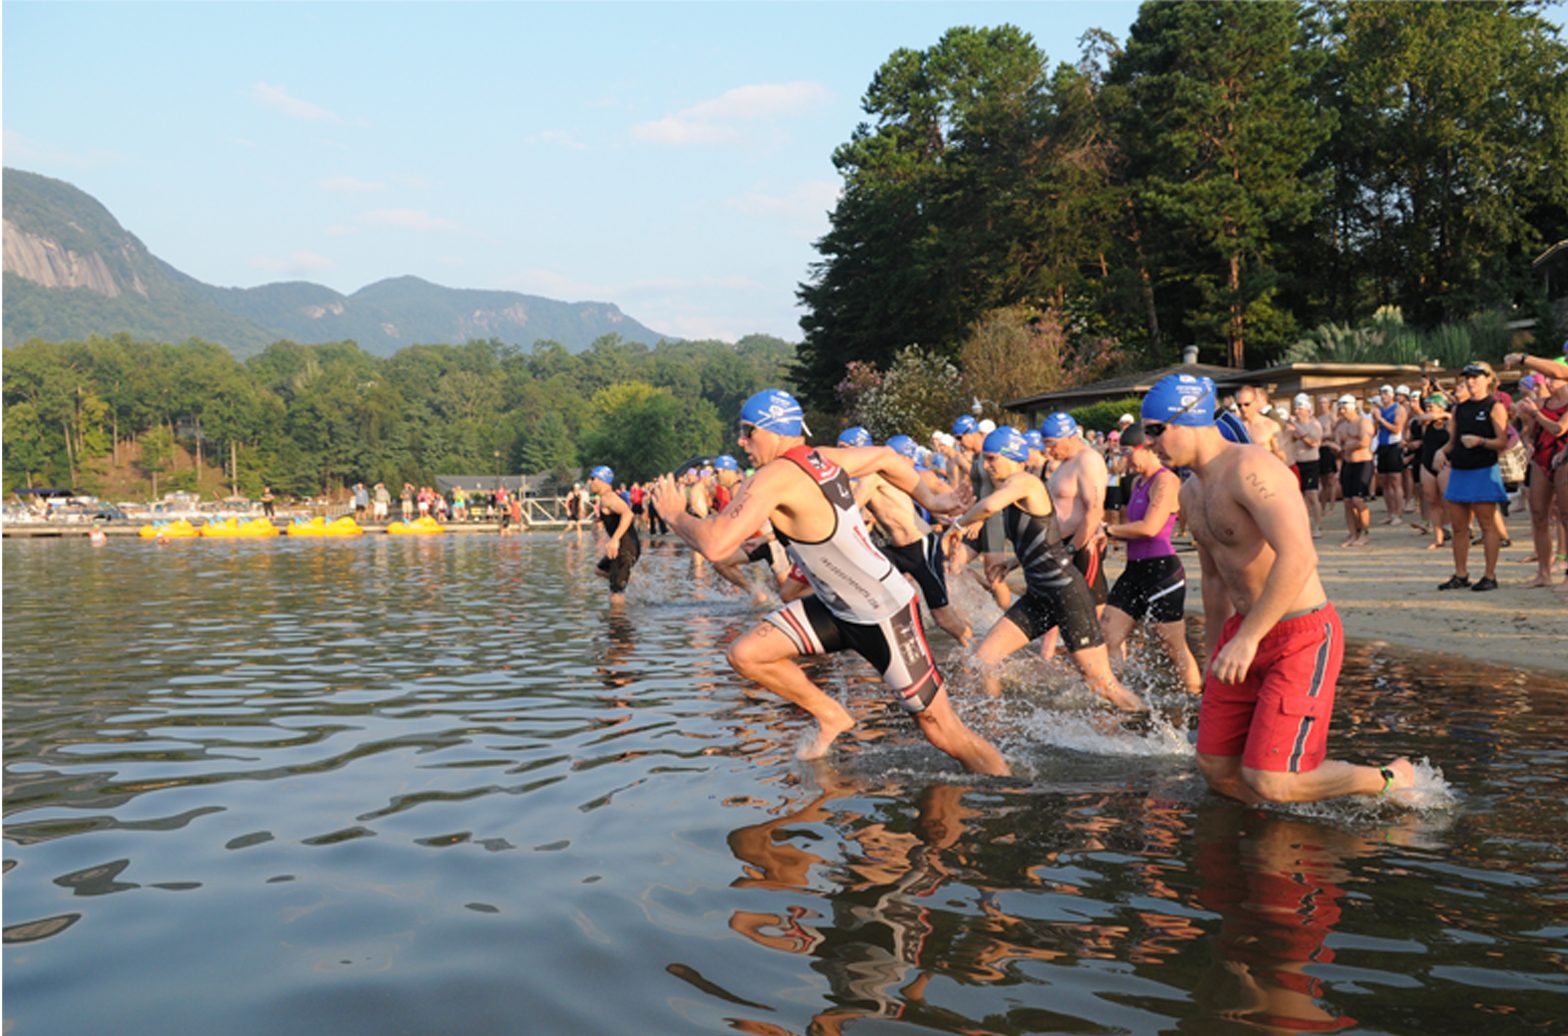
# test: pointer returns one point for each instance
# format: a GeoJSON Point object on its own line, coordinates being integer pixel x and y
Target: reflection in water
{"type": "Point", "coordinates": [439, 785]}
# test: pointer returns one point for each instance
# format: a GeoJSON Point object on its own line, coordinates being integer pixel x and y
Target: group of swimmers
{"type": "Point", "coordinates": [1274, 643]}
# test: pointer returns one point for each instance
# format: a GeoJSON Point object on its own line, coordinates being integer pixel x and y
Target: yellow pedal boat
{"type": "Point", "coordinates": [345, 526]}
{"type": "Point", "coordinates": [179, 529]}
{"type": "Point", "coordinates": [425, 526]}
{"type": "Point", "coordinates": [234, 529]}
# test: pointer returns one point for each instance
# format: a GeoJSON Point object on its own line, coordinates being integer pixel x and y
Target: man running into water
{"type": "Point", "coordinates": [1055, 594]}
{"type": "Point", "coordinates": [1077, 488]}
{"type": "Point", "coordinates": [622, 548]}
{"type": "Point", "coordinates": [912, 547]}
{"type": "Point", "coordinates": [861, 602]}
{"type": "Point", "coordinates": [1274, 641]}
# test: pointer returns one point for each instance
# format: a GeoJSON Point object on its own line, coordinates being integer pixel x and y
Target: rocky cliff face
{"type": "Point", "coordinates": [51, 265]}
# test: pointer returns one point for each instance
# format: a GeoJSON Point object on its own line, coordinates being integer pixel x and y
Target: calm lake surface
{"type": "Point", "coordinates": [433, 786]}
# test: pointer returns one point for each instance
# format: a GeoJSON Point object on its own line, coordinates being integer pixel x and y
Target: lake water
{"type": "Point", "coordinates": [433, 786]}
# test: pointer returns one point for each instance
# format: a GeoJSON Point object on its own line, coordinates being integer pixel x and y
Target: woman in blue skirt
{"type": "Point", "coordinates": [1479, 431]}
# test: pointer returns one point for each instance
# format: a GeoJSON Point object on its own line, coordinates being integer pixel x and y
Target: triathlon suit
{"type": "Point", "coordinates": [989, 541]}
{"type": "Point", "coordinates": [1154, 582]}
{"type": "Point", "coordinates": [862, 603]}
{"type": "Point", "coordinates": [1390, 451]}
{"type": "Point", "coordinates": [1434, 436]}
{"type": "Point", "coordinates": [1055, 593]}
{"type": "Point", "coordinates": [1547, 445]}
{"type": "Point", "coordinates": [619, 568]}
{"type": "Point", "coordinates": [1277, 717]}
{"type": "Point", "coordinates": [922, 561]}
{"type": "Point", "coordinates": [1328, 460]}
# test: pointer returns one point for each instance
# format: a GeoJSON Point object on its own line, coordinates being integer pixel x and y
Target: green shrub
{"type": "Point", "coordinates": [1102, 416]}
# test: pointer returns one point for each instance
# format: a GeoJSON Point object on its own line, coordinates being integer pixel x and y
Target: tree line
{"type": "Point", "coordinates": [309, 418]}
{"type": "Point", "coordinates": [1234, 175]}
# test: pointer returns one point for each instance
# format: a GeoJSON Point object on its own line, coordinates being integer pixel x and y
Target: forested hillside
{"type": "Point", "coordinates": [308, 418]}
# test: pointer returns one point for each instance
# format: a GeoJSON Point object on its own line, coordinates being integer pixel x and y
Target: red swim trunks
{"type": "Point", "coordinates": [1277, 718]}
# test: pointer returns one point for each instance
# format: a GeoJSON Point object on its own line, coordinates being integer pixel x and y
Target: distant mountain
{"type": "Point", "coordinates": [71, 270]}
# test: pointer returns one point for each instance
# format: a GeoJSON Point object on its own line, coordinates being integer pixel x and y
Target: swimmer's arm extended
{"type": "Point", "coordinates": [896, 470]}
{"type": "Point", "coordinates": [721, 535]}
{"type": "Point", "coordinates": [1537, 364]}
{"type": "Point", "coordinates": [1010, 491]}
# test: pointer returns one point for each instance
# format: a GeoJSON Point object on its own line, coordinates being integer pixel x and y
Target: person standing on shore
{"type": "Point", "coordinates": [1390, 419]}
{"type": "Point", "coordinates": [1475, 485]}
{"type": "Point", "coordinates": [1305, 435]}
{"type": "Point", "coordinates": [861, 602]}
{"type": "Point", "coordinates": [1274, 641]}
{"type": "Point", "coordinates": [1353, 443]}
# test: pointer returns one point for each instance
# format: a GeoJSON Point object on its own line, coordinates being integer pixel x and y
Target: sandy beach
{"type": "Point", "coordinates": [1388, 592]}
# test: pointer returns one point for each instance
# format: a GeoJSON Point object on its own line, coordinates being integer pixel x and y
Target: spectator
{"type": "Point", "coordinates": [1475, 485]}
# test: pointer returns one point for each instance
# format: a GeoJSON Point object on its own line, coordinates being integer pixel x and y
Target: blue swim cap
{"type": "Point", "coordinates": [604, 474]}
{"type": "Point", "coordinates": [1008, 442]}
{"type": "Point", "coordinates": [1035, 440]}
{"type": "Point", "coordinates": [773, 410]}
{"type": "Point", "coordinates": [854, 436]}
{"type": "Point", "coordinates": [902, 445]}
{"type": "Point", "coordinates": [1183, 399]}
{"type": "Point", "coordinates": [1232, 428]}
{"type": "Point", "coordinates": [724, 462]}
{"type": "Point", "coordinates": [1059, 426]}
{"type": "Point", "coordinates": [965, 424]}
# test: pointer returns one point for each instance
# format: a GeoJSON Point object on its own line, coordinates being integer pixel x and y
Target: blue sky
{"type": "Point", "coordinates": [674, 159]}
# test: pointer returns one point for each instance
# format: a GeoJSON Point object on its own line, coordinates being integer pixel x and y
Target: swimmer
{"type": "Point", "coordinates": [860, 601]}
{"type": "Point", "coordinates": [988, 543]}
{"type": "Point", "coordinates": [622, 548]}
{"type": "Point", "coordinates": [761, 547]}
{"type": "Point", "coordinates": [1154, 583]}
{"type": "Point", "coordinates": [913, 548]}
{"type": "Point", "coordinates": [1353, 443]}
{"type": "Point", "coordinates": [1274, 642]}
{"type": "Point", "coordinates": [1078, 486]}
{"type": "Point", "coordinates": [1305, 438]}
{"type": "Point", "coordinates": [1390, 419]}
{"type": "Point", "coordinates": [1055, 591]}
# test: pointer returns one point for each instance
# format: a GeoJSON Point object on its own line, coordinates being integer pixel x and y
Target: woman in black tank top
{"type": "Point", "coordinates": [1475, 487]}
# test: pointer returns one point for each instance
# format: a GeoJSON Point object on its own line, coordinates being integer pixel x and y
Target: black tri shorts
{"type": "Point", "coordinates": [922, 561]}
{"type": "Point", "coordinates": [1069, 606]}
{"type": "Point", "coordinates": [1307, 475]}
{"type": "Point", "coordinates": [619, 568]}
{"type": "Point", "coordinates": [1090, 561]}
{"type": "Point", "coordinates": [896, 646]}
{"type": "Point", "coordinates": [1156, 587]}
{"type": "Point", "coordinates": [1390, 459]}
{"type": "Point", "coordinates": [1355, 479]}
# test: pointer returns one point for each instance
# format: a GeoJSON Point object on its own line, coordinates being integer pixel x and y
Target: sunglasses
{"type": "Point", "coordinates": [1154, 431]}
{"type": "Point", "coordinates": [745, 430]}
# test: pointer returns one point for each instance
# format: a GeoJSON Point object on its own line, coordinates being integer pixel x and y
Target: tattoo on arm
{"type": "Point", "coordinates": [1256, 481]}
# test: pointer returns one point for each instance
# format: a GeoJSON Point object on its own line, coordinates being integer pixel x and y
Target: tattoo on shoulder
{"type": "Point", "coordinates": [1256, 482]}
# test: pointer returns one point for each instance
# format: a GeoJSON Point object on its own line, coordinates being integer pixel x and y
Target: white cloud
{"type": "Point", "coordinates": [552, 284]}
{"type": "Point", "coordinates": [278, 98]}
{"type": "Point", "coordinates": [719, 119]}
{"type": "Point", "coordinates": [803, 210]}
{"type": "Point", "coordinates": [350, 184]}
{"type": "Point", "coordinates": [407, 219]}
{"type": "Point", "coordinates": [297, 263]}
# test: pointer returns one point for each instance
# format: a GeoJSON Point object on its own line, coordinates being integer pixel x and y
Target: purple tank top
{"type": "Point", "coordinates": [1158, 545]}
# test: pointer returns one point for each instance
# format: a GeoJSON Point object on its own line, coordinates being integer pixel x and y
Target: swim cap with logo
{"type": "Point", "coordinates": [902, 445]}
{"type": "Point", "coordinates": [1184, 399]}
{"type": "Point", "coordinates": [1232, 428]}
{"type": "Point", "coordinates": [1007, 442]}
{"type": "Point", "coordinates": [724, 462]}
{"type": "Point", "coordinates": [1035, 440]}
{"type": "Point", "coordinates": [964, 424]}
{"type": "Point", "coordinates": [854, 436]}
{"type": "Point", "coordinates": [604, 474]}
{"type": "Point", "coordinates": [773, 410]}
{"type": "Point", "coordinates": [1059, 426]}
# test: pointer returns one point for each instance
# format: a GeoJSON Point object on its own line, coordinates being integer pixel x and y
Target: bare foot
{"type": "Point", "coordinates": [1434, 546]}
{"type": "Point", "coordinates": [1349, 543]}
{"type": "Point", "coordinates": [1561, 588]}
{"type": "Point", "coordinates": [1539, 580]}
{"type": "Point", "coordinates": [827, 732]}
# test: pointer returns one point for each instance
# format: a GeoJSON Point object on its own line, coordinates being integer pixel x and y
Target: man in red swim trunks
{"type": "Point", "coordinates": [1274, 641]}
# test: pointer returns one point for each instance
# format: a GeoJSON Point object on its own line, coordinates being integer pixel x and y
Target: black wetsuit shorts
{"type": "Point", "coordinates": [922, 561]}
{"type": "Point", "coordinates": [1156, 587]}
{"type": "Point", "coordinates": [1307, 475]}
{"type": "Point", "coordinates": [896, 646]}
{"type": "Point", "coordinates": [619, 568]}
{"type": "Point", "coordinates": [1355, 479]}
{"type": "Point", "coordinates": [1071, 607]}
{"type": "Point", "coordinates": [1390, 459]}
{"type": "Point", "coordinates": [1091, 562]}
